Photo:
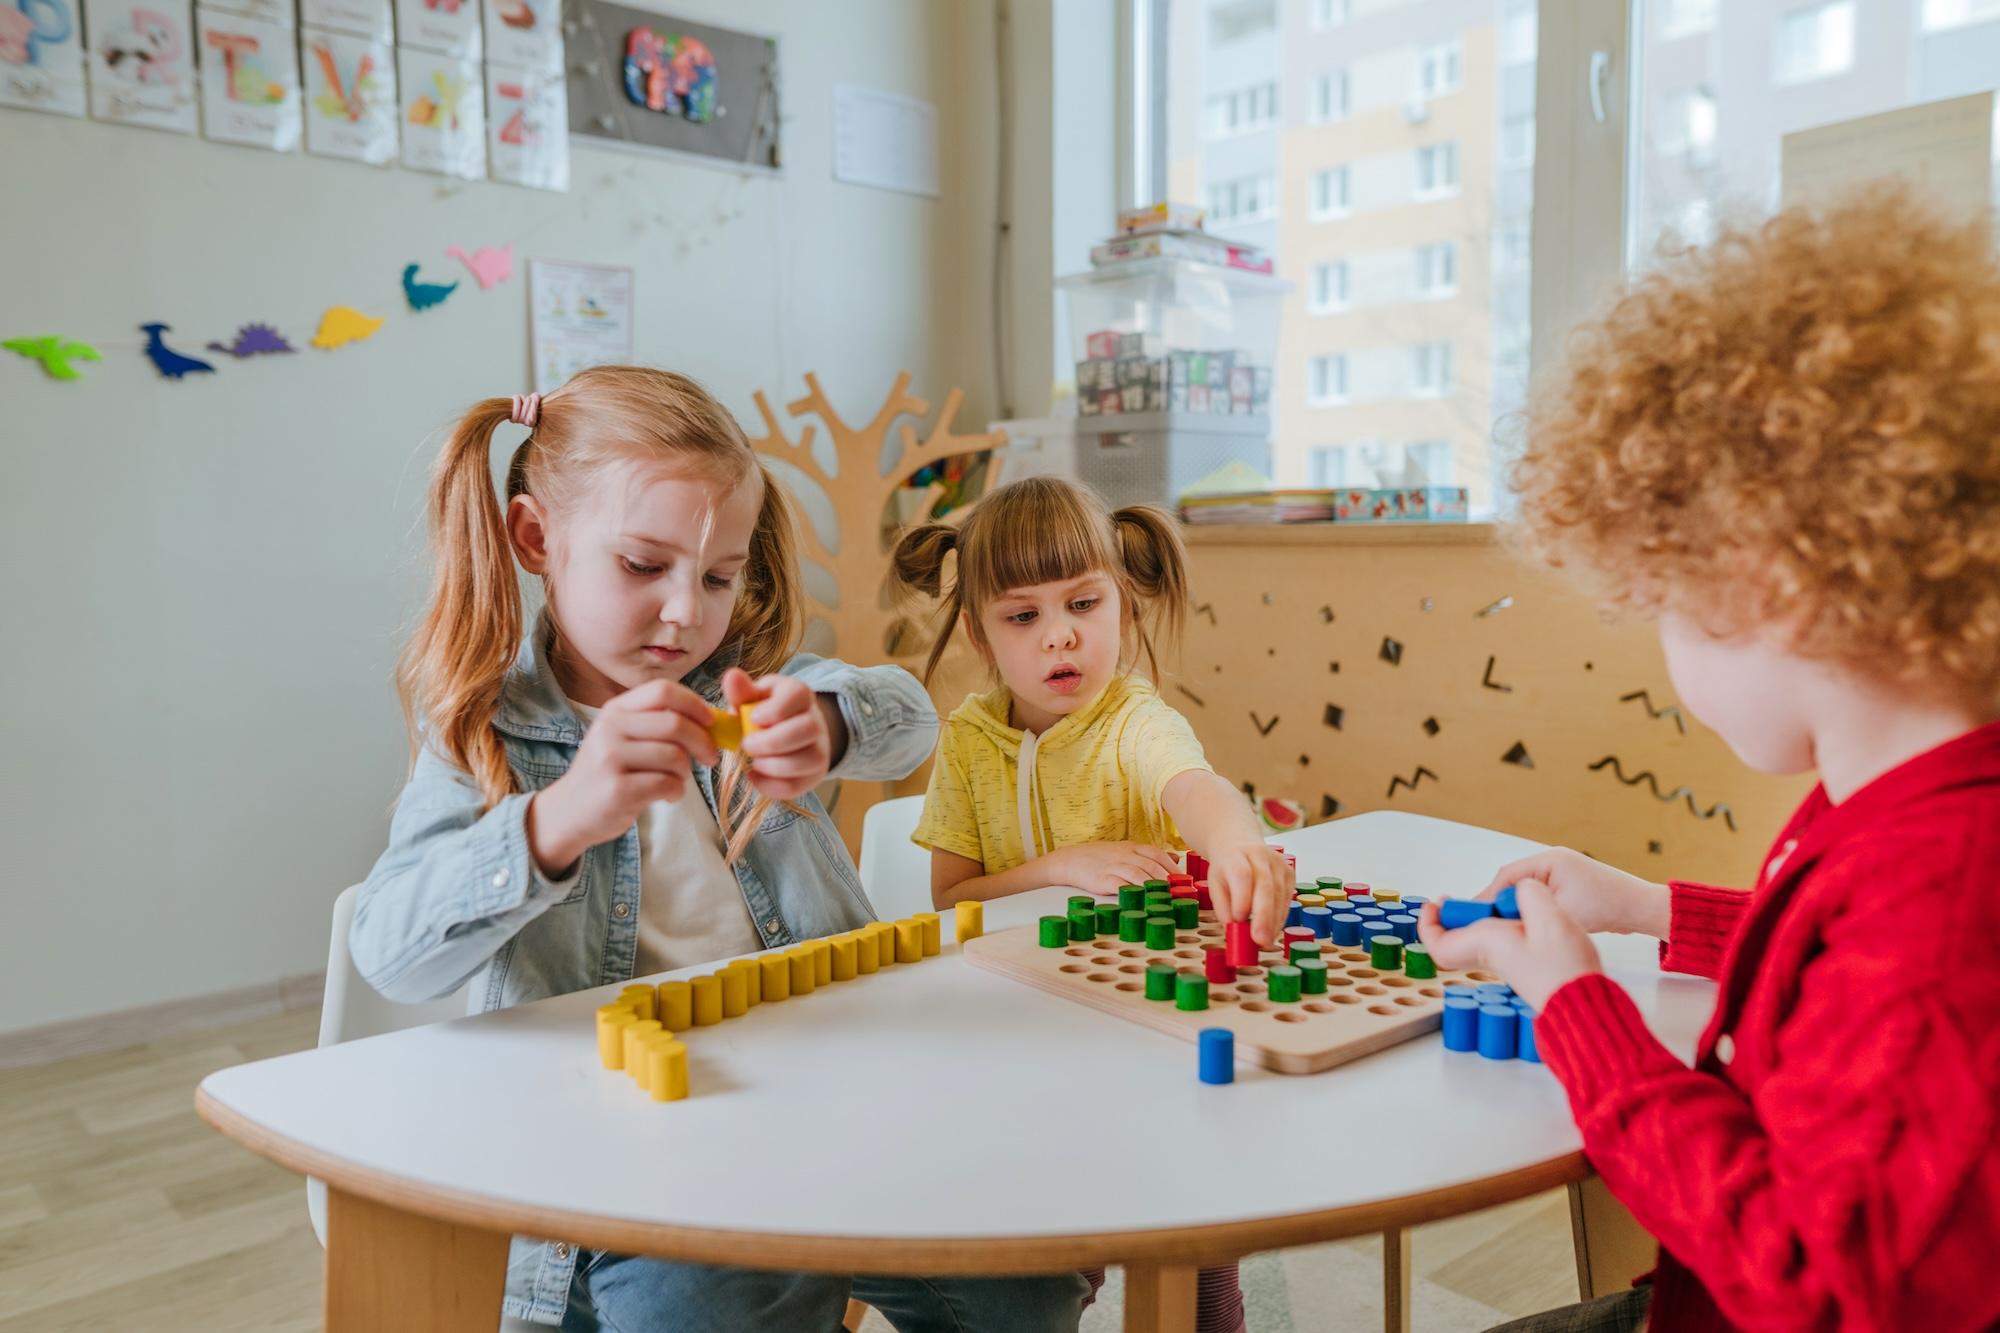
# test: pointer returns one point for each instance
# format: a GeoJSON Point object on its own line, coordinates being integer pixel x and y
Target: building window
{"type": "Point", "coordinates": [1957, 13]}
{"type": "Point", "coordinates": [1517, 141]}
{"type": "Point", "coordinates": [1429, 459]}
{"type": "Point", "coordinates": [1327, 382]}
{"type": "Point", "coordinates": [1518, 35]}
{"type": "Point", "coordinates": [1685, 18]}
{"type": "Point", "coordinates": [1245, 199]}
{"type": "Point", "coordinates": [1430, 370]}
{"type": "Point", "coordinates": [1329, 287]}
{"type": "Point", "coordinates": [1329, 465]}
{"type": "Point", "coordinates": [1235, 20]}
{"type": "Point", "coordinates": [1437, 270]}
{"type": "Point", "coordinates": [1243, 110]}
{"type": "Point", "coordinates": [1438, 70]}
{"type": "Point", "coordinates": [1330, 194]}
{"type": "Point", "coordinates": [1815, 42]}
{"type": "Point", "coordinates": [1329, 97]}
{"type": "Point", "coordinates": [1329, 13]}
{"type": "Point", "coordinates": [1437, 170]}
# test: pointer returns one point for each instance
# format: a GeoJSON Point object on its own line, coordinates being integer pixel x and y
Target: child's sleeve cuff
{"type": "Point", "coordinates": [1703, 921]}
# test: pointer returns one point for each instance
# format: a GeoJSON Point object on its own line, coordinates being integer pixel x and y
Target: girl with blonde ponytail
{"type": "Point", "coordinates": [569, 821]}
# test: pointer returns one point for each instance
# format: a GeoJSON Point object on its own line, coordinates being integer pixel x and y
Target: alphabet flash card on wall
{"type": "Point", "coordinates": [528, 128]}
{"type": "Point", "coordinates": [350, 105]}
{"type": "Point", "coordinates": [525, 33]}
{"type": "Point", "coordinates": [444, 118]}
{"type": "Point", "coordinates": [142, 63]}
{"type": "Point", "coordinates": [249, 81]}
{"type": "Point", "coordinates": [447, 27]}
{"type": "Point", "coordinates": [357, 18]}
{"type": "Point", "coordinates": [41, 56]}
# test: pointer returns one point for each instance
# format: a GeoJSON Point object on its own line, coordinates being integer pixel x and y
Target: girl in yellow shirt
{"type": "Point", "coordinates": [1073, 771]}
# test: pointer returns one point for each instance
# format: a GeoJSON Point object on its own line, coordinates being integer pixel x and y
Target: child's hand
{"type": "Point", "coordinates": [1593, 895]}
{"type": "Point", "coordinates": [792, 749]}
{"type": "Point", "coordinates": [640, 749]}
{"type": "Point", "coordinates": [1250, 880]}
{"type": "Point", "coordinates": [1537, 955]}
{"type": "Point", "coordinates": [1105, 867]}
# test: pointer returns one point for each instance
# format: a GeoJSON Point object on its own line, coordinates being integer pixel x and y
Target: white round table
{"type": "Point", "coordinates": [929, 1118]}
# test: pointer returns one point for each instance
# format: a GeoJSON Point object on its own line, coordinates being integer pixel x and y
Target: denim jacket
{"type": "Point", "coordinates": [457, 895]}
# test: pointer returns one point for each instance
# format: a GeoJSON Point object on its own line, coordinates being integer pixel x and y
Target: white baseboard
{"type": "Point", "coordinates": [97, 1033]}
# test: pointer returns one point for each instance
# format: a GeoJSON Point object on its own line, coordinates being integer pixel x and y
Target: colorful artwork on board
{"type": "Point", "coordinates": [249, 81]}
{"type": "Point", "coordinates": [444, 118]}
{"type": "Point", "coordinates": [350, 97]}
{"type": "Point", "coordinates": [41, 56]}
{"type": "Point", "coordinates": [528, 140]}
{"type": "Point", "coordinates": [142, 68]}
{"type": "Point", "coordinates": [673, 74]}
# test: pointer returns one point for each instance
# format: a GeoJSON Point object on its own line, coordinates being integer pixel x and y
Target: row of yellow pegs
{"type": "Point", "coordinates": [637, 1031]}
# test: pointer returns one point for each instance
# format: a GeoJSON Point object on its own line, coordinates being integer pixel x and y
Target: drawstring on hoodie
{"type": "Point", "coordinates": [1027, 797]}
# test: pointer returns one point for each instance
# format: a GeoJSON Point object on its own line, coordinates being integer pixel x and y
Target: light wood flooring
{"type": "Point", "coordinates": [121, 1211]}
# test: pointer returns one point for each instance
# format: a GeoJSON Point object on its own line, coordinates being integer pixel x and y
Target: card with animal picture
{"type": "Point", "coordinates": [525, 33]}
{"type": "Point", "coordinates": [41, 56]}
{"type": "Point", "coordinates": [350, 102]}
{"type": "Point", "coordinates": [527, 141]}
{"type": "Point", "coordinates": [249, 81]}
{"type": "Point", "coordinates": [142, 68]}
{"type": "Point", "coordinates": [444, 121]}
{"type": "Point", "coordinates": [357, 18]}
{"type": "Point", "coordinates": [446, 27]}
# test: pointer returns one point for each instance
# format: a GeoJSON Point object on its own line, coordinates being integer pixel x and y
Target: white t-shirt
{"type": "Point", "coordinates": [691, 908]}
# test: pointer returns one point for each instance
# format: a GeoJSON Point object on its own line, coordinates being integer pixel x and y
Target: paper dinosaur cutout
{"type": "Point", "coordinates": [55, 352]}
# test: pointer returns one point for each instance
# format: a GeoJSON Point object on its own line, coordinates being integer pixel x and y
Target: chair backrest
{"type": "Point", "coordinates": [895, 872]}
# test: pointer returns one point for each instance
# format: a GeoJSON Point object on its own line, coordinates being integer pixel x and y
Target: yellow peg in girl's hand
{"type": "Point", "coordinates": [730, 729]}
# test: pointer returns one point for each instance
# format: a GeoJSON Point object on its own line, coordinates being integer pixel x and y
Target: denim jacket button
{"type": "Point", "coordinates": [622, 910]}
{"type": "Point", "coordinates": [562, 1249]}
{"type": "Point", "coordinates": [1725, 1048]}
{"type": "Point", "coordinates": [771, 926]}
{"type": "Point", "coordinates": [500, 878]}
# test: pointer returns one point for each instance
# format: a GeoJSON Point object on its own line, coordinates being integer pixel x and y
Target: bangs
{"type": "Point", "coordinates": [1031, 534]}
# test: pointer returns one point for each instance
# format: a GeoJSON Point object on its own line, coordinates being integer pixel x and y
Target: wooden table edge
{"type": "Point", "coordinates": [957, 1255]}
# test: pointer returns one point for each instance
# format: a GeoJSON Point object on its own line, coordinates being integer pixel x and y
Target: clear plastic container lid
{"type": "Point", "coordinates": [1179, 305]}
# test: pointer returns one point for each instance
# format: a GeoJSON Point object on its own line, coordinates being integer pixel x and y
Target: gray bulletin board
{"type": "Point", "coordinates": [729, 113]}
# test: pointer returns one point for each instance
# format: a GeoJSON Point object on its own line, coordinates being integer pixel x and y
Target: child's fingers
{"type": "Point", "coordinates": [1476, 945]}
{"type": "Point", "coordinates": [661, 696]}
{"type": "Point", "coordinates": [1540, 866]}
{"type": "Point", "coordinates": [794, 735]}
{"type": "Point", "coordinates": [738, 688]}
{"type": "Point", "coordinates": [797, 764]}
{"type": "Point", "coordinates": [784, 697]}
{"type": "Point", "coordinates": [651, 757]}
{"type": "Point", "coordinates": [664, 726]}
{"type": "Point", "coordinates": [650, 787]}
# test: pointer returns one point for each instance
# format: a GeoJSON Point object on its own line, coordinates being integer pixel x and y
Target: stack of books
{"type": "Point", "coordinates": [1174, 231]}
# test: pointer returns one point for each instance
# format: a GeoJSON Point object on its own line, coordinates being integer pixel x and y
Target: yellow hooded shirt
{"type": "Point", "coordinates": [1095, 776]}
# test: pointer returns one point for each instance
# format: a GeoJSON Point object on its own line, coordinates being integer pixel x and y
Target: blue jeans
{"type": "Point", "coordinates": [617, 1293]}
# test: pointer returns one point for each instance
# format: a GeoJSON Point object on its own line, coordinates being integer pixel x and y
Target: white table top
{"type": "Point", "coordinates": [936, 1101]}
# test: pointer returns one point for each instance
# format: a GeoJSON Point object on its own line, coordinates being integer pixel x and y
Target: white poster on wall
{"type": "Point", "coordinates": [443, 118]}
{"type": "Point", "coordinates": [142, 69]}
{"type": "Point", "coordinates": [249, 81]}
{"type": "Point", "coordinates": [580, 315]}
{"type": "Point", "coordinates": [41, 56]}
{"type": "Point", "coordinates": [525, 33]}
{"type": "Point", "coordinates": [357, 18]}
{"type": "Point", "coordinates": [350, 96]}
{"type": "Point", "coordinates": [527, 127]}
{"type": "Point", "coordinates": [448, 27]}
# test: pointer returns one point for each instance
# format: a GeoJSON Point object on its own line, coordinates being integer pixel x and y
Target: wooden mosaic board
{"type": "Point", "coordinates": [1362, 1012]}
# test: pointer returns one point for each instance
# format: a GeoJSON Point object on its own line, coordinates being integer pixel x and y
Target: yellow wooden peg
{"type": "Point", "coordinates": [634, 1033]}
{"type": "Point", "coordinates": [844, 951]}
{"type": "Point", "coordinates": [753, 979]}
{"type": "Point", "coordinates": [909, 940]}
{"type": "Point", "coordinates": [735, 993]}
{"type": "Point", "coordinates": [804, 975]}
{"type": "Point", "coordinates": [642, 1000]}
{"type": "Point", "coordinates": [707, 1001]}
{"type": "Point", "coordinates": [971, 920]}
{"type": "Point", "coordinates": [866, 956]}
{"type": "Point", "coordinates": [933, 933]}
{"type": "Point", "coordinates": [884, 936]}
{"type": "Point", "coordinates": [776, 983]}
{"type": "Point", "coordinates": [612, 1019]}
{"type": "Point", "coordinates": [676, 1006]}
{"type": "Point", "coordinates": [822, 956]}
{"type": "Point", "coordinates": [667, 1071]}
{"type": "Point", "coordinates": [725, 729]}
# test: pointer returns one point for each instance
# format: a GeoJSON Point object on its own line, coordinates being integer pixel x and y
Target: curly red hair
{"type": "Point", "coordinates": [1799, 423]}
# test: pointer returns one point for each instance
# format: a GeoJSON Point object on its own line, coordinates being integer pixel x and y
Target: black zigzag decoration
{"type": "Point", "coordinates": [1671, 710]}
{"type": "Point", "coordinates": [1677, 794]}
{"type": "Point", "coordinates": [1411, 781]}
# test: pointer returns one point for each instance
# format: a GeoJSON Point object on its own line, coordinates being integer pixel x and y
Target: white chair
{"type": "Point", "coordinates": [895, 872]}
{"type": "Point", "coordinates": [352, 1008]}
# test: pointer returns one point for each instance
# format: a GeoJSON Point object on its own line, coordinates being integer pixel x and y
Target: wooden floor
{"type": "Point", "coordinates": [121, 1211]}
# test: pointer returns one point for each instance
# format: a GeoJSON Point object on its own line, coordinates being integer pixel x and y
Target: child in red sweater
{"type": "Point", "coordinates": [1787, 448]}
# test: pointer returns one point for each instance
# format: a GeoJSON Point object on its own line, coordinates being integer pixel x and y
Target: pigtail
{"type": "Point", "coordinates": [1155, 565]}
{"type": "Point", "coordinates": [451, 671]}
{"type": "Point", "coordinates": [917, 566]}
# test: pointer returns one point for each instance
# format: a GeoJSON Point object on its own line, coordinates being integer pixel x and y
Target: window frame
{"type": "Point", "coordinates": [1338, 304]}
{"type": "Point", "coordinates": [1343, 171]}
{"type": "Point", "coordinates": [1423, 153]}
{"type": "Point", "coordinates": [1315, 396]}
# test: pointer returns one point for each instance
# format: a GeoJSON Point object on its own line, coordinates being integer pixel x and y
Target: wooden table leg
{"type": "Point", "coordinates": [1396, 1280]}
{"type": "Point", "coordinates": [1611, 1247]}
{"type": "Point", "coordinates": [1159, 1298]}
{"type": "Point", "coordinates": [389, 1271]}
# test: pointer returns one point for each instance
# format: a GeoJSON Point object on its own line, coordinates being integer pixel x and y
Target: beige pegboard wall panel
{"type": "Point", "coordinates": [1427, 670]}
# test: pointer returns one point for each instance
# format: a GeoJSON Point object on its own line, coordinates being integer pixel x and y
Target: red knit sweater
{"type": "Point", "coordinates": [1832, 1160]}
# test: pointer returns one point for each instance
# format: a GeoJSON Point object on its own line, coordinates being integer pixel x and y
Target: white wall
{"type": "Point", "coordinates": [205, 582]}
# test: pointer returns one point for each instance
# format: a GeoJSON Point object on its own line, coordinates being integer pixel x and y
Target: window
{"type": "Point", "coordinates": [1687, 126]}
{"type": "Point", "coordinates": [1815, 42]}
{"type": "Point", "coordinates": [1329, 465]}
{"type": "Point", "coordinates": [1329, 13]}
{"type": "Point", "coordinates": [1437, 170]}
{"type": "Point", "coordinates": [1329, 98]}
{"type": "Point", "coordinates": [1243, 111]}
{"type": "Point", "coordinates": [1246, 199]}
{"type": "Point", "coordinates": [1238, 19]}
{"type": "Point", "coordinates": [1437, 270]}
{"type": "Point", "coordinates": [1428, 459]}
{"type": "Point", "coordinates": [1330, 194]}
{"type": "Point", "coordinates": [1329, 287]}
{"type": "Point", "coordinates": [1517, 141]}
{"type": "Point", "coordinates": [1438, 70]}
{"type": "Point", "coordinates": [1956, 13]}
{"type": "Point", "coordinates": [1430, 370]}
{"type": "Point", "coordinates": [1518, 34]}
{"type": "Point", "coordinates": [1327, 382]}
{"type": "Point", "coordinates": [1685, 18]}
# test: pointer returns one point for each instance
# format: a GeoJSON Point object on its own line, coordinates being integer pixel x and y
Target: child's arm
{"type": "Point", "coordinates": [889, 721]}
{"type": "Point", "coordinates": [1245, 877]}
{"type": "Point", "coordinates": [1095, 867]}
{"type": "Point", "coordinates": [1693, 921]}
